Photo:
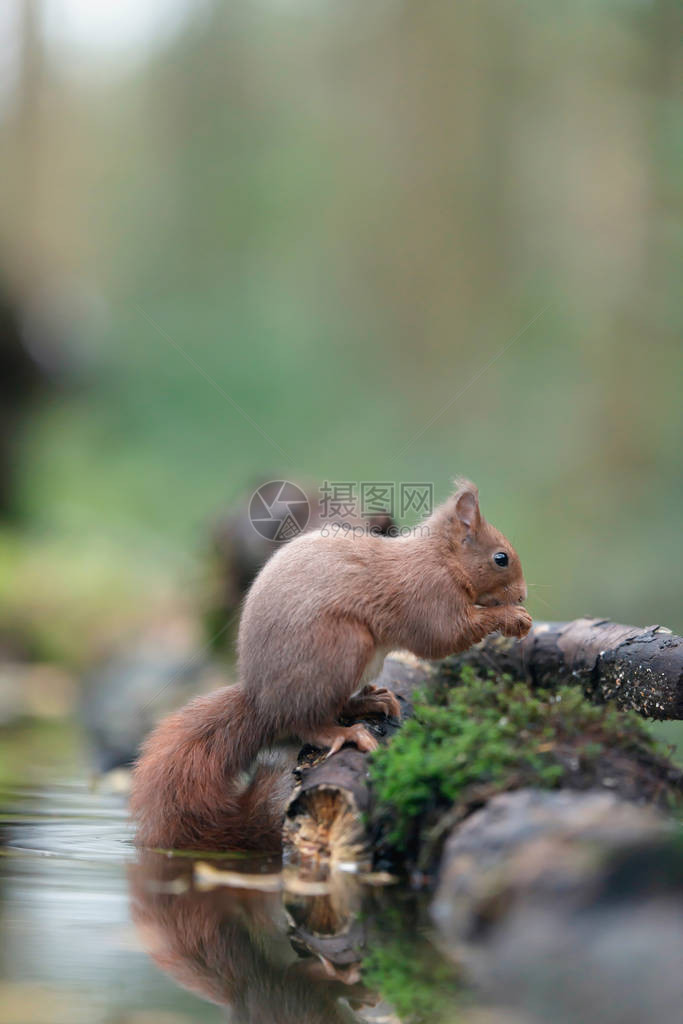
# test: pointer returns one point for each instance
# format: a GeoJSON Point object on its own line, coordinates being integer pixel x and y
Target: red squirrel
{"type": "Point", "coordinates": [317, 620]}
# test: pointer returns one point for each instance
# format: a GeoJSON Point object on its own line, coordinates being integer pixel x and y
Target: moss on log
{"type": "Point", "coordinates": [478, 733]}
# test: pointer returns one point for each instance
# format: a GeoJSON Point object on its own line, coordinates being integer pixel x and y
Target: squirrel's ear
{"type": "Point", "coordinates": [466, 500]}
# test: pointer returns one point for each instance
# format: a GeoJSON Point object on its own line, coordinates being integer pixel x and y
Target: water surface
{"type": "Point", "coordinates": [94, 931]}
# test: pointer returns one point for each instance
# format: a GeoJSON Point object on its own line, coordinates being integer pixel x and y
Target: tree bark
{"type": "Point", "coordinates": [640, 669]}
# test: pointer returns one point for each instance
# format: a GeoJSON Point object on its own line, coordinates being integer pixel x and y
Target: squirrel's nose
{"type": "Point", "coordinates": [523, 596]}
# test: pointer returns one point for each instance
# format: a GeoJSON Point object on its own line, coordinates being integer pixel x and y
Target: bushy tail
{"type": "Point", "coordinates": [187, 786]}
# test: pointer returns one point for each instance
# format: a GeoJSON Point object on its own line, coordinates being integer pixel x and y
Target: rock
{"type": "Point", "coordinates": [127, 693]}
{"type": "Point", "coordinates": [566, 905]}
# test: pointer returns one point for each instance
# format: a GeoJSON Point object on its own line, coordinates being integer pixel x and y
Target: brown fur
{"type": "Point", "coordinates": [316, 615]}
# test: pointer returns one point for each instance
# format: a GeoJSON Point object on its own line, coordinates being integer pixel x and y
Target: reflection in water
{"type": "Point", "coordinates": [289, 957]}
{"type": "Point", "coordinates": [242, 949]}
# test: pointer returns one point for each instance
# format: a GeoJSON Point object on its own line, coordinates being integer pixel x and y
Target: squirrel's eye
{"type": "Point", "coordinates": [501, 559]}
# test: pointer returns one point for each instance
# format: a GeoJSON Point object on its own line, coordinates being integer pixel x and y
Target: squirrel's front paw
{"type": "Point", "coordinates": [516, 621]}
{"type": "Point", "coordinates": [372, 700]}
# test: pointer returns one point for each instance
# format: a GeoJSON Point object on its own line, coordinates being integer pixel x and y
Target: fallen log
{"type": "Point", "coordinates": [326, 820]}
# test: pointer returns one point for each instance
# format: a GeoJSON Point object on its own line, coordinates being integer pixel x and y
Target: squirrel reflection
{"type": "Point", "coordinates": [230, 946]}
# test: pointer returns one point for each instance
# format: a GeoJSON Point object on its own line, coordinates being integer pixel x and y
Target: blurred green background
{"type": "Point", "coordinates": [402, 240]}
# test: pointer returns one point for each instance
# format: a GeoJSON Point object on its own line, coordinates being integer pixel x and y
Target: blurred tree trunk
{"type": "Point", "coordinates": [23, 209]}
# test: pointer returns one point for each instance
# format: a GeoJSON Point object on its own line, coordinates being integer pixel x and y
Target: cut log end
{"type": "Point", "coordinates": [324, 824]}
{"type": "Point", "coordinates": [323, 829]}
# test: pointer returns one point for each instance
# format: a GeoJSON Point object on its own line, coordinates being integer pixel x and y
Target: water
{"type": "Point", "coordinates": [70, 951]}
{"type": "Point", "coordinates": [93, 932]}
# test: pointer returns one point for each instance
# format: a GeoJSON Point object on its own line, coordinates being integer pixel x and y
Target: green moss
{"type": "Point", "coordinates": [415, 982]}
{"type": "Point", "coordinates": [472, 732]}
